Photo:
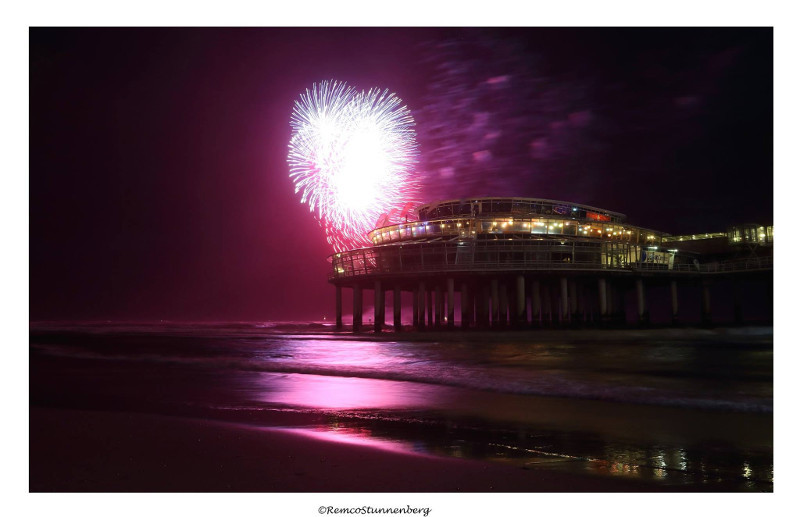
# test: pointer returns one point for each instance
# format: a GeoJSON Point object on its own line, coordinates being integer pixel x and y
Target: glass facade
{"type": "Point", "coordinates": [750, 234]}
{"type": "Point", "coordinates": [515, 228]}
{"type": "Point", "coordinates": [515, 207]}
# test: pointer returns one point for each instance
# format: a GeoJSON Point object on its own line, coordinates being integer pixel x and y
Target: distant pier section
{"type": "Point", "coordinates": [528, 262]}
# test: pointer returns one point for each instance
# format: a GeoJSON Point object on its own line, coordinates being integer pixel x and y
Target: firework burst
{"type": "Point", "coordinates": [351, 157]}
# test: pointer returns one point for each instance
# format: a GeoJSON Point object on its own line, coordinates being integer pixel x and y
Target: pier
{"type": "Point", "coordinates": [506, 263]}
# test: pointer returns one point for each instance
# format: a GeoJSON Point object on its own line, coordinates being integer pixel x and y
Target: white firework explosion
{"type": "Point", "coordinates": [352, 156]}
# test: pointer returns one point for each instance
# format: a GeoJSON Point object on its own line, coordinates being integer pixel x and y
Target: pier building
{"type": "Point", "coordinates": [520, 262]}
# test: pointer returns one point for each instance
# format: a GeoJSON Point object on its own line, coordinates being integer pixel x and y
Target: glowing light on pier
{"type": "Point", "coordinates": [351, 157]}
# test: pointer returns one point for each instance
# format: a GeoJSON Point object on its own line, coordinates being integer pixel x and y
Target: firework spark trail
{"type": "Point", "coordinates": [352, 156]}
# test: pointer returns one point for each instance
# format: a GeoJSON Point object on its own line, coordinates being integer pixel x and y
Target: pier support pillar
{"type": "Point", "coordinates": [547, 305]}
{"type": "Point", "coordinates": [483, 306]}
{"type": "Point", "coordinates": [615, 304]}
{"type": "Point", "coordinates": [502, 319]}
{"type": "Point", "coordinates": [521, 307]}
{"type": "Point", "coordinates": [451, 299]}
{"type": "Point", "coordinates": [338, 307]}
{"type": "Point", "coordinates": [614, 301]}
{"type": "Point", "coordinates": [495, 301]}
{"type": "Point", "coordinates": [415, 308]}
{"type": "Point", "coordinates": [706, 315]}
{"type": "Point", "coordinates": [397, 308]}
{"type": "Point", "coordinates": [641, 303]}
{"type": "Point", "coordinates": [673, 289]}
{"type": "Point", "coordinates": [421, 306]}
{"type": "Point", "coordinates": [602, 298]}
{"type": "Point", "coordinates": [466, 306]}
{"type": "Point", "coordinates": [564, 313]}
{"type": "Point", "coordinates": [573, 301]}
{"type": "Point", "coordinates": [357, 308]}
{"type": "Point", "coordinates": [430, 308]}
{"type": "Point", "coordinates": [439, 307]}
{"type": "Point", "coordinates": [619, 294]}
{"type": "Point", "coordinates": [380, 307]}
{"type": "Point", "coordinates": [536, 303]}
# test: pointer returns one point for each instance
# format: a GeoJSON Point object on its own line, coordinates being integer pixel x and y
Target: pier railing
{"type": "Point", "coordinates": [725, 266]}
{"type": "Point", "coordinates": [510, 256]}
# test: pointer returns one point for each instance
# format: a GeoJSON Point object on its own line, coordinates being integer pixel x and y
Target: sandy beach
{"type": "Point", "coordinates": [92, 451]}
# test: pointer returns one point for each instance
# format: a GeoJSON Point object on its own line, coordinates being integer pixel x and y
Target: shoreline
{"type": "Point", "coordinates": [747, 334]}
{"type": "Point", "coordinates": [752, 333]}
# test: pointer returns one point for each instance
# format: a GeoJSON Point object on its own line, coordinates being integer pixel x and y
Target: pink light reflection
{"type": "Point", "coordinates": [353, 437]}
{"type": "Point", "coordinates": [331, 392]}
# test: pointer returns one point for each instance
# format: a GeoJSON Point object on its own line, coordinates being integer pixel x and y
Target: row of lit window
{"type": "Point", "coordinates": [694, 237]}
{"type": "Point", "coordinates": [758, 234]}
{"type": "Point", "coordinates": [502, 226]}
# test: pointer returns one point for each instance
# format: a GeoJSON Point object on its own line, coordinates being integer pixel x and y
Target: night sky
{"type": "Point", "coordinates": [159, 187]}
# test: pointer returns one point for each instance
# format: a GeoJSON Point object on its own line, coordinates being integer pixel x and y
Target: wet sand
{"type": "Point", "coordinates": [96, 451]}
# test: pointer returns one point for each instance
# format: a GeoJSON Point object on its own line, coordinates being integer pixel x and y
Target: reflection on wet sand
{"type": "Point", "coordinates": [353, 436]}
{"type": "Point", "coordinates": [408, 417]}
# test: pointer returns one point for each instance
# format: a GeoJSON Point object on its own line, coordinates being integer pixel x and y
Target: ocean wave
{"type": "Point", "coordinates": [197, 330]}
{"type": "Point", "coordinates": [477, 376]}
